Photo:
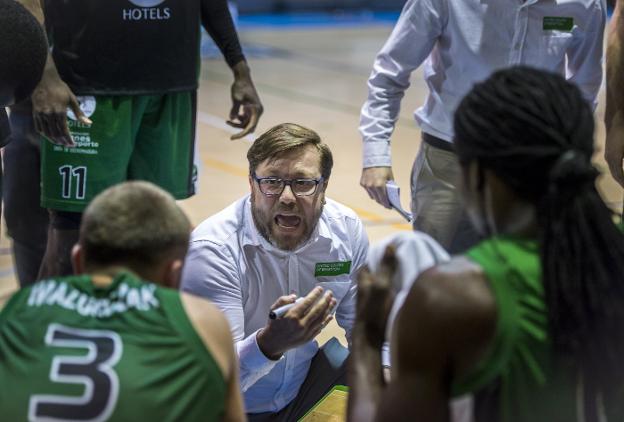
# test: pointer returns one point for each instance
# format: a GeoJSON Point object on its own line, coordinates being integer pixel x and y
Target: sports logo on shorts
{"type": "Point", "coordinates": [146, 3]}
{"type": "Point", "coordinates": [87, 105]}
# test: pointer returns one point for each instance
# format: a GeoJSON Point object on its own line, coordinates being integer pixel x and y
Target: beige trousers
{"type": "Point", "coordinates": [436, 204]}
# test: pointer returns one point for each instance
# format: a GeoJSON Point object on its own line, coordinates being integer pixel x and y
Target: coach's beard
{"type": "Point", "coordinates": [284, 232]}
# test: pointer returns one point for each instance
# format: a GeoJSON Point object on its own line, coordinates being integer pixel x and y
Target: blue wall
{"type": "Point", "coordinates": [272, 6]}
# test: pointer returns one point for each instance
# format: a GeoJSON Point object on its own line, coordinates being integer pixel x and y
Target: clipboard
{"type": "Point", "coordinates": [394, 197]}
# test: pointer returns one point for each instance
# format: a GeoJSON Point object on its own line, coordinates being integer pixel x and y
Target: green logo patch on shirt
{"type": "Point", "coordinates": [332, 268]}
{"type": "Point", "coordinates": [557, 23]}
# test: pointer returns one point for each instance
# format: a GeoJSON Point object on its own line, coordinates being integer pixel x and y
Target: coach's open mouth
{"type": "Point", "coordinates": [288, 222]}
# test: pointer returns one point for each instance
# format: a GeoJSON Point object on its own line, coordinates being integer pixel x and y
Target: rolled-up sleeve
{"type": "Point", "coordinates": [210, 271]}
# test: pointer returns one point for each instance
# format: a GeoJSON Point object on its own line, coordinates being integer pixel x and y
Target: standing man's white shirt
{"type": "Point", "coordinates": [463, 42]}
{"type": "Point", "coordinates": [243, 274]}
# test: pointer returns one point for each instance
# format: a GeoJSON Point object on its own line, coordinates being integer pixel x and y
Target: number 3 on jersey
{"type": "Point", "coordinates": [69, 188]}
{"type": "Point", "coordinates": [94, 371]}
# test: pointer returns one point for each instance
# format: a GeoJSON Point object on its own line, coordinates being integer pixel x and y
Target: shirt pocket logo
{"type": "Point", "coordinates": [323, 269]}
{"type": "Point", "coordinates": [557, 23]}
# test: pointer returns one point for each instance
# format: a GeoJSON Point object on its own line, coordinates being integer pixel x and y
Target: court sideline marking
{"type": "Point", "coordinates": [212, 75]}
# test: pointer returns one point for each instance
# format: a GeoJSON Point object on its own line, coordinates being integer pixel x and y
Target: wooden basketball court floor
{"type": "Point", "coordinates": [315, 77]}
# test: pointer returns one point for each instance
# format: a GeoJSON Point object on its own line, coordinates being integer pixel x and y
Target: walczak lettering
{"type": "Point", "coordinates": [53, 293]}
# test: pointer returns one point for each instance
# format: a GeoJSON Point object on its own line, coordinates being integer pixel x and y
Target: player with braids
{"type": "Point", "coordinates": [549, 137]}
{"type": "Point", "coordinates": [530, 320]}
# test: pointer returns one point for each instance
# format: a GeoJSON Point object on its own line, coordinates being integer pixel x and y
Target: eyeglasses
{"type": "Point", "coordinates": [274, 186]}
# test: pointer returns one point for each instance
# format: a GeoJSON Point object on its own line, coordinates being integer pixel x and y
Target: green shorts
{"type": "Point", "coordinates": [134, 137]}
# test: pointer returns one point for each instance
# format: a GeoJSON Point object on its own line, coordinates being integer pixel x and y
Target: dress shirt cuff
{"type": "Point", "coordinates": [376, 154]}
{"type": "Point", "coordinates": [252, 358]}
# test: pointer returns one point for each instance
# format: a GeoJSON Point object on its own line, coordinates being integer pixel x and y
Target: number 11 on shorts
{"type": "Point", "coordinates": [70, 189]}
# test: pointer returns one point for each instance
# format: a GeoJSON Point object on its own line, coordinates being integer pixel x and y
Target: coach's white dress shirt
{"type": "Point", "coordinates": [462, 42]}
{"type": "Point", "coordinates": [230, 263]}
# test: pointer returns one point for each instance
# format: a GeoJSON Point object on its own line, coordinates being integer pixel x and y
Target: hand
{"type": "Point", "coordinates": [50, 101]}
{"type": "Point", "coordinates": [246, 106]}
{"type": "Point", "coordinates": [614, 148]}
{"type": "Point", "coordinates": [375, 296]}
{"type": "Point", "coordinates": [374, 181]}
{"type": "Point", "coordinates": [299, 325]}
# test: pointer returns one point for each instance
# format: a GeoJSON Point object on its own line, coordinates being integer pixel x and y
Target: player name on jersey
{"type": "Point", "coordinates": [122, 299]}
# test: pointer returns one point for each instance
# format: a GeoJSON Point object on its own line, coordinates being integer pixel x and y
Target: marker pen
{"type": "Point", "coordinates": [279, 312]}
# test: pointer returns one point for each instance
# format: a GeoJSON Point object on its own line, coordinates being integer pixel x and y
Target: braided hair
{"type": "Point", "coordinates": [534, 130]}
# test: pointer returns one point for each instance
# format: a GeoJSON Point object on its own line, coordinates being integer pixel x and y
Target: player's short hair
{"type": "Point", "coordinates": [135, 224]}
{"type": "Point", "coordinates": [23, 50]}
{"type": "Point", "coordinates": [284, 138]}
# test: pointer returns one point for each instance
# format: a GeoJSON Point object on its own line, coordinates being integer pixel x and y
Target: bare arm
{"type": "Point", "coordinates": [213, 329]}
{"type": "Point", "coordinates": [367, 382]}
{"type": "Point", "coordinates": [375, 297]}
{"type": "Point", "coordinates": [614, 114]}
{"type": "Point", "coordinates": [246, 106]}
{"type": "Point", "coordinates": [442, 331]}
{"type": "Point", "coordinates": [234, 409]}
{"type": "Point", "coordinates": [52, 96]}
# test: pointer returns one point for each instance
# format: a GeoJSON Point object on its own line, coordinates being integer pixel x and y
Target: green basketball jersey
{"type": "Point", "coordinates": [126, 352]}
{"type": "Point", "coordinates": [520, 379]}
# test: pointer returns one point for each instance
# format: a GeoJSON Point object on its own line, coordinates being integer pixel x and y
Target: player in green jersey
{"type": "Point", "coordinates": [531, 320]}
{"type": "Point", "coordinates": [108, 345]}
{"type": "Point", "coordinates": [117, 101]}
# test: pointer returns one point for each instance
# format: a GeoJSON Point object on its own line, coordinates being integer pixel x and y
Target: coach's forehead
{"type": "Point", "coordinates": [304, 161]}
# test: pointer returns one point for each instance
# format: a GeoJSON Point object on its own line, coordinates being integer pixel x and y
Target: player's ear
{"type": "Point", "coordinates": [77, 259]}
{"type": "Point", "coordinates": [173, 273]}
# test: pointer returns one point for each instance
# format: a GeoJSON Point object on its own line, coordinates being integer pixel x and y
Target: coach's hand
{"type": "Point", "coordinates": [50, 101]}
{"type": "Point", "coordinates": [374, 181]}
{"type": "Point", "coordinates": [614, 148]}
{"type": "Point", "coordinates": [246, 106]}
{"type": "Point", "coordinates": [300, 324]}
